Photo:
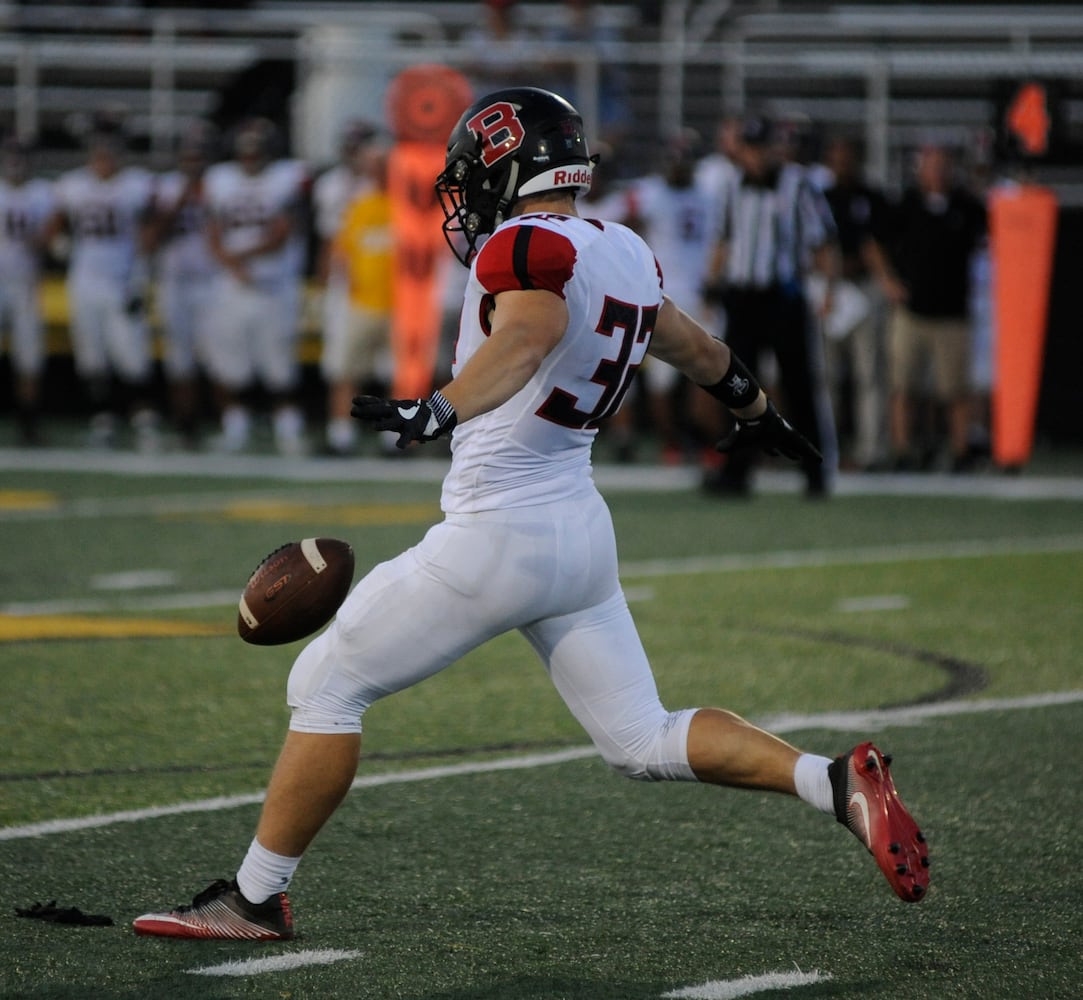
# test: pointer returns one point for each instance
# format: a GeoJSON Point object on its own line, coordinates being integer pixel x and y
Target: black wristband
{"type": "Point", "coordinates": [737, 388]}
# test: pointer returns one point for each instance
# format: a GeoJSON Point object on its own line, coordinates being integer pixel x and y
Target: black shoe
{"type": "Point", "coordinates": [966, 462]}
{"type": "Point", "coordinates": [717, 484]}
{"type": "Point", "coordinates": [221, 913]}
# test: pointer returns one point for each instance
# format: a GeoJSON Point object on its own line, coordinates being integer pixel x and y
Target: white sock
{"type": "Point", "coordinates": [263, 873]}
{"type": "Point", "coordinates": [342, 433]}
{"type": "Point", "coordinates": [236, 426]}
{"type": "Point", "coordinates": [812, 782]}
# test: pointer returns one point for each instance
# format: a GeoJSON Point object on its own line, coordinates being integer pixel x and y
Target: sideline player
{"type": "Point", "coordinates": [26, 204]}
{"type": "Point", "coordinates": [558, 311]}
{"type": "Point", "coordinates": [104, 206]}
{"type": "Point", "coordinates": [185, 270]}
{"type": "Point", "coordinates": [678, 220]}
{"type": "Point", "coordinates": [253, 229]}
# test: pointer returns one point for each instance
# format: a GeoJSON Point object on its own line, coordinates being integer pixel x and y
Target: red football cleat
{"type": "Point", "coordinates": [867, 804]}
{"type": "Point", "coordinates": [221, 913]}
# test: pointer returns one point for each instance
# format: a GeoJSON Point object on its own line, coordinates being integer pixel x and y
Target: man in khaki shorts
{"type": "Point", "coordinates": [926, 274]}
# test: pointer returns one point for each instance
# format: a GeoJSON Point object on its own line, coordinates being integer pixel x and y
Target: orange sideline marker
{"type": "Point", "coordinates": [423, 104]}
{"type": "Point", "coordinates": [1022, 230]}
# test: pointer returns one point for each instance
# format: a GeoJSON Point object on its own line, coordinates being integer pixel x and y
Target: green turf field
{"type": "Point", "coordinates": [486, 855]}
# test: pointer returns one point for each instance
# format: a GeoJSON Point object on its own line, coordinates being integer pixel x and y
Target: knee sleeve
{"type": "Point", "coordinates": [654, 752]}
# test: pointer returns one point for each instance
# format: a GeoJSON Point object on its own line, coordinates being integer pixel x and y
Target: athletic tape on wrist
{"type": "Point", "coordinates": [442, 409]}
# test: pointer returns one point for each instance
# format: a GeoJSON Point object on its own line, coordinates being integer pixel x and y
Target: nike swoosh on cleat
{"type": "Point", "coordinates": [858, 799]}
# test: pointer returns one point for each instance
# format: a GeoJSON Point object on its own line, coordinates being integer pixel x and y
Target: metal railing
{"type": "Point", "coordinates": [886, 72]}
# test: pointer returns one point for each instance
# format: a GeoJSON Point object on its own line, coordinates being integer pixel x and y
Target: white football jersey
{"type": "Point", "coordinates": [104, 217]}
{"type": "Point", "coordinates": [185, 252]}
{"type": "Point", "coordinates": [245, 204]}
{"type": "Point", "coordinates": [536, 446]}
{"type": "Point", "coordinates": [681, 226]}
{"type": "Point", "coordinates": [24, 210]}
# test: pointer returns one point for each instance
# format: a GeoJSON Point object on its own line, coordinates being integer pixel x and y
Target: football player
{"type": "Point", "coordinates": [185, 270]}
{"type": "Point", "coordinates": [559, 311]}
{"type": "Point", "coordinates": [255, 236]}
{"type": "Point", "coordinates": [678, 220]}
{"type": "Point", "coordinates": [26, 203]}
{"type": "Point", "coordinates": [104, 207]}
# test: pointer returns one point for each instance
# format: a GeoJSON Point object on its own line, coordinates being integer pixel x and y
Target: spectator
{"type": "Point", "coordinates": [934, 231]}
{"type": "Point", "coordinates": [253, 231]}
{"type": "Point", "coordinates": [26, 204]}
{"type": "Point", "coordinates": [774, 225]}
{"type": "Point", "coordinates": [854, 329]}
{"type": "Point", "coordinates": [356, 353]}
{"type": "Point", "coordinates": [104, 206]}
{"type": "Point", "coordinates": [332, 193]}
{"type": "Point", "coordinates": [185, 273]}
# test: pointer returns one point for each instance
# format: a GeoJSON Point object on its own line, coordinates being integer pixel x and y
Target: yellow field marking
{"type": "Point", "coordinates": [27, 500]}
{"type": "Point", "coordinates": [361, 514]}
{"type": "Point", "coordinates": [21, 628]}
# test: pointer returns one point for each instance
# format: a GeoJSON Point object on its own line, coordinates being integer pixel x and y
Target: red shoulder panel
{"type": "Point", "coordinates": [525, 257]}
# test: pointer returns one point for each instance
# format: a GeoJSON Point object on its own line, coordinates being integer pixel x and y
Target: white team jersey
{"type": "Point", "coordinates": [713, 173]}
{"type": "Point", "coordinates": [104, 216]}
{"type": "Point", "coordinates": [332, 193]}
{"type": "Point", "coordinates": [245, 205]}
{"type": "Point", "coordinates": [24, 210]}
{"type": "Point", "coordinates": [536, 447]}
{"type": "Point", "coordinates": [185, 253]}
{"type": "Point", "coordinates": [681, 226]}
{"type": "Point", "coordinates": [610, 207]}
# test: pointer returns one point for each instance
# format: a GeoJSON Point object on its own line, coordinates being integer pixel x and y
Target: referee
{"type": "Point", "coordinates": [775, 226]}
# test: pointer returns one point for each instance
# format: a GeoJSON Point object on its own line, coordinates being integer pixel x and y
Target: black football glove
{"type": "Point", "coordinates": [137, 293]}
{"type": "Point", "coordinates": [412, 419]}
{"type": "Point", "coordinates": [135, 305]}
{"type": "Point", "coordinates": [773, 433]}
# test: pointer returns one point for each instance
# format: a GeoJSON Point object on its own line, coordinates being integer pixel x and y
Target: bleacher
{"type": "Point", "coordinates": [889, 72]}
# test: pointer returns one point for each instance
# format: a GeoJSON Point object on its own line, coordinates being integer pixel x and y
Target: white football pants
{"type": "Point", "coordinates": [549, 571]}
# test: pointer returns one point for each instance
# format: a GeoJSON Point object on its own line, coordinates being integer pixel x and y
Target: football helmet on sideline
{"type": "Point", "coordinates": [508, 144]}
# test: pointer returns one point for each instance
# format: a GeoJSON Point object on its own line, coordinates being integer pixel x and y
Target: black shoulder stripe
{"type": "Point", "coordinates": [519, 256]}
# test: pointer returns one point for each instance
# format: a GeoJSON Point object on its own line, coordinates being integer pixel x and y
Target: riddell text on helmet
{"type": "Point", "coordinates": [579, 175]}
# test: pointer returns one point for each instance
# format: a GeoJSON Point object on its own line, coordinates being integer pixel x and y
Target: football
{"type": "Point", "coordinates": [294, 591]}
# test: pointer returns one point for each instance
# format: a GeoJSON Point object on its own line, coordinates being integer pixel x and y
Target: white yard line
{"type": "Point", "coordinates": [860, 556]}
{"type": "Point", "coordinates": [811, 558]}
{"type": "Point", "coordinates": [276, 963]}
{"type": "Point", "coordinates": [866, 721]}
{"type": "Point", "coordinates": [731, 989]}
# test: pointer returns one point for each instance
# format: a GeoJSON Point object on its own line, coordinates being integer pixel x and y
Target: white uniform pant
{"type": "Point", "coordinates": [105, 339]}
{"type": "Point", "coordinates": [549, 571]}
{"type": "Point", "coordinates": [20, 313]}
{"type": "Point", "coordinates": [184, 304]}
{"type": "Point", "coordinates": [252, 335]}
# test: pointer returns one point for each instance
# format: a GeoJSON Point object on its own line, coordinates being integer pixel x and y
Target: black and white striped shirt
{"type": "Point", "coordinates": [772, 227]}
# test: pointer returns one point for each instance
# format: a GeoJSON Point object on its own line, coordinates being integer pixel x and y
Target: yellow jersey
{"type": "Point", "coordinates": [365, 243]}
